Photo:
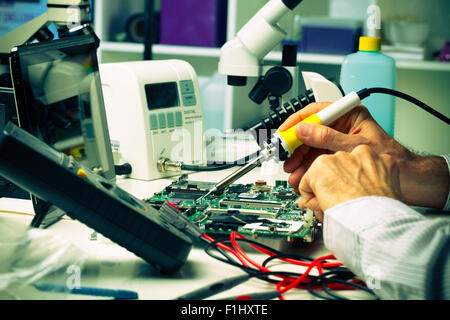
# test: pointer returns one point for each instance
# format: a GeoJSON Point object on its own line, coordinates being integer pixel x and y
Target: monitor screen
{"type": "Point", "coordinates": [59, 99]}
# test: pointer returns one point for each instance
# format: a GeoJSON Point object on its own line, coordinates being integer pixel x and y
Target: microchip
{"type": "Point", "coordinates": [248, 196]}
{"type": "Point", "coordinates": [238, 188]}
{"type": "Point", "coordinates": [186, 196]}
{"type": "Point", "coordinates": [229, 221]}
{"type": "Point", "coordinates": [286, 195]}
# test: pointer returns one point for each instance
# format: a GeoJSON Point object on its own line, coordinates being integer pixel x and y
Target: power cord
{"type": "Point", "coordinates": [279, 115]}
{"type": "Point", "coordinates": [364, 93]}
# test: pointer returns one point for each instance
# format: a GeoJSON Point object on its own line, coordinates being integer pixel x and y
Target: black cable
{"type": "Point", "coordinates": [340, 275]}
{"type": "Point", "coordinates": [264, 276]}
{"type": "Point", "coordinates": [216, 167]}
{"type": "Point", "coordinates": [364, 93]}
{"type": "Point", "coordinates": [148, 32]}
{"type": "Point", "coordinates": [286, 256]}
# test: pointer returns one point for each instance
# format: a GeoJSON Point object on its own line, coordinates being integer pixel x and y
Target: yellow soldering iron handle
{"type": "Point", "coordinates": [334, 111]}
{"type": "Point", "coordinates": [290, 138]}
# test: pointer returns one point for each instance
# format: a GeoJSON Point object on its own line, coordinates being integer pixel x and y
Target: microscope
{"type": "Point", "coordinates": [242, 58]}
{"type": "Point", "coordinates": [252, 82]}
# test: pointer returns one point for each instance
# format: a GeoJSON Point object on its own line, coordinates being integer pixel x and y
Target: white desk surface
{"type": "Point", "coordinates": [111, 266]}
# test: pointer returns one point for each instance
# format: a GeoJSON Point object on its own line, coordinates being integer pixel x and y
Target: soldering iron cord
{"type": "Point", "coordinates": [362, 94]}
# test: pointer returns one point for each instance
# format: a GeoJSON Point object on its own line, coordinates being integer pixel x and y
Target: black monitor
{"type": "Point", "coordinates": [59, 100]}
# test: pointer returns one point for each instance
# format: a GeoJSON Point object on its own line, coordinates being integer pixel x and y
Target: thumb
{"type": "Point", "coordinates": [323, 137]}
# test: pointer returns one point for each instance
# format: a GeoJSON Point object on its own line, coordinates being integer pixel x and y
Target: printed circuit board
{"type": "Point", "coordinates": [251, 209]}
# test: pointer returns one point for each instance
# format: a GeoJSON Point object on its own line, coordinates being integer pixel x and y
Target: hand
{"type": "Point", "coordinates": [343, 176]}
{"type": "Point", "coordinates": [424, 181]}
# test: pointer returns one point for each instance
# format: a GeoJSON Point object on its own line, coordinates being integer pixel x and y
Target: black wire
{"type": "Point", "coordinates": [216, 167]}
{"type": "Point", "coordinates": [340, 275]}
{"type": "Point", "coordinates": [286, 256]}
{"type": "Point", "coordinates": [344, 281]}
{"type": "Point", "coordinates": [364, 93]}
{"type": "Point", "coordinates": [188, 167]}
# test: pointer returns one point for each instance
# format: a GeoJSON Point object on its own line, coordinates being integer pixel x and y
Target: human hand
{"type": "Point", "coordinates": [343, 176]}
{"type": "Point", "coordinates": [424, 180]}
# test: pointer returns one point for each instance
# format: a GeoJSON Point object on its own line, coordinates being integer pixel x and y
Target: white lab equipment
{"type": "Point", "coordinates": [154, 111]}
{"type": "Point", "coordinates": [242, 61]}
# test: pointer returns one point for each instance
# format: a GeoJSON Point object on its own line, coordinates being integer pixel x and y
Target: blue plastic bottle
{"type": "Point", "coordinates": [370, 68]}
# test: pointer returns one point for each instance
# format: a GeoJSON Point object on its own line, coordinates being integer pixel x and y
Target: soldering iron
{"type": "Point", "coordinates": [284, 143]}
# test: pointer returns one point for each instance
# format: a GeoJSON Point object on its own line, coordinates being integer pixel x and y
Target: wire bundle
{"type": "Point", "coordinates": [337, 278]}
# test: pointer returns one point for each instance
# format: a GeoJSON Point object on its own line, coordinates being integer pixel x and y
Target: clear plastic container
{"type": "Point", "coordinates": [370, 68]}
{"type": "Point", "coordinates": [213, 102]}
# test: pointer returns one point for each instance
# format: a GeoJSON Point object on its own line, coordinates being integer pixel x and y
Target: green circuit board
{"type": "Point", "coordinates": [251, 209]}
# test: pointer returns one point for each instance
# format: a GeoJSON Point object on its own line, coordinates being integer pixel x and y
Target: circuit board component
{"type": "Point", "coordinates": [255, 210]}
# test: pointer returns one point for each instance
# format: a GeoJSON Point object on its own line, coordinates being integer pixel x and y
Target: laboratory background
{"type": "Point", "coordinates": [137, 106]}
{"type": "Point", "coordinates": [413, 32]}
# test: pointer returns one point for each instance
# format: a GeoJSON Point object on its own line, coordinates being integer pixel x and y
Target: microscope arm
{"type": "Point", "coordinates": [241, 57]}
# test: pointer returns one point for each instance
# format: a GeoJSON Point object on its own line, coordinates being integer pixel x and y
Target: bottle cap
{"type": "Point", "coordinates": [369, 43]}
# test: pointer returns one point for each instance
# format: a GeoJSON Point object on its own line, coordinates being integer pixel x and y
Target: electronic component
{"type": "Point", "coordinates": [8, 113]}
{"type": "Point", "coordinates": [154, 107]}
{"type": "Point", "coordinates": [260, 186]}
{"type": "Point", "coordinates": [249, 203]}
{"type": "Point", "coordinates": [59, 100]}
{"type": "Point", "coordinates": [238, 208]}
{"type": "Point", "coordinates": [91, 199]}
{"type": "Point", "coordinates": [273, 225]}
{"type": "Point", "coordinates": [286, 195]}
{"type": "Point", "coordinates": [245, 211]}
{"type": "Point", "coordinates": [248, 196]}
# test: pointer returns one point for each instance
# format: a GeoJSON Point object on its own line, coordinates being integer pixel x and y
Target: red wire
{"type": "Point", "coordinates": [293, 284]}
{"type": "Point", "coordinates": [227, 248]}
{"type": "Point", "coordinates": [289, 260]}
{"type": "Point", "coordinates": [288, 282]}
{"type": "Point", "coordinates": [220, 245]}
{"type": "Point", "coordinates": [242, 253]}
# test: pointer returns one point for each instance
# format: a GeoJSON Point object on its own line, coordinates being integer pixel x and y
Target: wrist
{"type": "Point", "coordinates": [424, 181]}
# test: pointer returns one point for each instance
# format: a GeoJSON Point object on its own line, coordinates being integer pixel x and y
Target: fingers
{"type": "Point", "coordinates": [308, 159]}
{"type": "Point", "coordinates": [307, 185]}
{"type": "Point", "coordinates": [296, 159]}
{"type": "Point", "coordinates": [306, 191]}
{"type": "Point", "coordinates": [324, 137]}
{"type": "Point", "coordinates": [319, 214]}
{"type": "Point", "coordinates": [303, 114]}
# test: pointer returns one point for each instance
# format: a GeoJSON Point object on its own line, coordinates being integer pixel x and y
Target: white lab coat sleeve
{"type": "Point", "coordinates": [397, 251]}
